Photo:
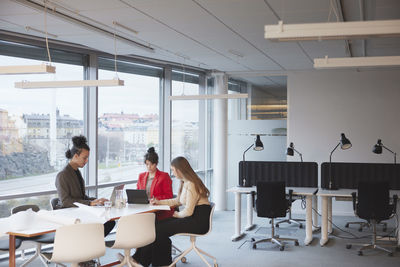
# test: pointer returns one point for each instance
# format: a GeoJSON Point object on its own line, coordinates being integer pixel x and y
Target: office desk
{"type": "Point", "coordinates": [308, 192]}
{"type": "Point", "coordinates": [326, 221]}
{"type": "Point", "coordinates": [42, 227]}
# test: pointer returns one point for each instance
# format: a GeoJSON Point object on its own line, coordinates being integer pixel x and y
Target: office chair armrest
{"type": "Point", "coordinates": [354, 196]}
{"type": "Point", "coordinates": [290, 197]}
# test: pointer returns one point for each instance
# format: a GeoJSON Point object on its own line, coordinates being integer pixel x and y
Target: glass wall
{"type": "Point", "coordinates": [36, 126]}
{"type": "Point", "coordinates": [185, 118]}
{"type": "Point", "coordinates": [128, 124]}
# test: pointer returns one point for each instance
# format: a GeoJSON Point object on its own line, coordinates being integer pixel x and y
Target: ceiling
{"type": "Point", "coordinates": [223, 35]}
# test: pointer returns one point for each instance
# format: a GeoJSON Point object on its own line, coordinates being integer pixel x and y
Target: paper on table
{"type": "Point", "coordinates": [97, 211]}
{"type": "Point", "coordinates": [56, 218]}
{"type": "Point", "coordinates": [21, 220]}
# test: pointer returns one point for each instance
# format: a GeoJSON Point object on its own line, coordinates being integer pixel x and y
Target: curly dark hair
{"type": "Point", "coordinates": [79, 143]}
{"type": "Point", "coordinates": [151, 156]}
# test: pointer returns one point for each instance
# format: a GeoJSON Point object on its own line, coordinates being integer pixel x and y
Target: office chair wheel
{"type": "Point", "coordinates": [296, 243]}
{"type": "Point", "coordinates": [360, 253]}
{"type": "Point", "coordinates": [390, 254]}
{"type": "Point", "coordinates": [301, 226]}
{"type": "Point", "coordinates": [252, 239]}
{"type": "Point", "coordinates": [347, 225]}
{"type": "Point", "coordinates": [348, 246]}
{"type": "Point", "coordinates": [215, 264]}
{"type": "Point", "coordinates": [282, 248]}
{"type": "Point", "coordinates": [184, 260]}
{"type": "Point", "coordinates": [277, 225]}
{"type": "Point", "coordinates": [254, 246]}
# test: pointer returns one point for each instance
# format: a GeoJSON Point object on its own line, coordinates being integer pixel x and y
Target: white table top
{"type": "Point", "coordinates": [49, 221]}
{"type": "Point", "coordinates": [304, 191]}
{"type": "Point", "coordinates": [346, 192]}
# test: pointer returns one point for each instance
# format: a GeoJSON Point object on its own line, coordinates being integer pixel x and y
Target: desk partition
{"type": "Point", "coordinates": [348, 175]}
{"type": "Point", "coordinates": [295, 174]}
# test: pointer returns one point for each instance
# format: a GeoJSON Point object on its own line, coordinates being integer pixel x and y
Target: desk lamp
{"type": "Point", "coordinates": [290, 151]}
{"type": "Point", "coordinates": [377, 149]}
{"type": "Point", "coordinates": [258, 146]}
{"type": "Point", "coordinates": [344, 144]}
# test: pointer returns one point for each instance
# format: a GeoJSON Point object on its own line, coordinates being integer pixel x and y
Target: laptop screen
{"type": "Point", "coordinates": [114, 193]}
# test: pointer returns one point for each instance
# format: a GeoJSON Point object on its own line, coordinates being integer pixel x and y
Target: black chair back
{"type": "Point", "coordinates": [271, 199]}
{"type": "Point", "coordinates": [374, 201]}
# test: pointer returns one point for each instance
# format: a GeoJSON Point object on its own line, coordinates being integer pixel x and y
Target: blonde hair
{"type": "Point", "coordinates": [182, 165]}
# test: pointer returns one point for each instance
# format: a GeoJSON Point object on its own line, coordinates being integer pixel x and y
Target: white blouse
{"type": "Point", "coordinates": [188, 197]}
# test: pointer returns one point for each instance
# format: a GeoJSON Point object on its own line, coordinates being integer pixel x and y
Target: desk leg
{"type": "Point", "coordinates": [315, 226]}
{"type": "Point", "coordinates": [324, 222]}
{"type": "Point", "coordinates": [11, 261]}
{"type": "Point", "coordinates": [238, 235]}
{"type": "Point", "coordinates": [250, 224]}
{"type": "Point", "coordinates": [330, 215]}
{"type": "Point", "coordinates": [309, 236]}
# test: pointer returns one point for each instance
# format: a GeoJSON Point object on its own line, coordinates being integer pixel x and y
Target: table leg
{"type": "Point", "coordinates": [11, 261]}
{"type": "Point", "coordinates": [309, 236]}
{"type": "Point", "coordinates": [330, 215]}
{"type": "Point", "coordinates": [238, 235]}
{"type": "Point", "coordinates": [315, 226]}
{"type": "Point", "coordinates": [250, 224]}
{"type": "Point", "coordinates": [324, 222]}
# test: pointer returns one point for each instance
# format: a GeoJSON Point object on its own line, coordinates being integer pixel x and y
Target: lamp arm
{"type": "Point", "coordinates": [247, 150]}
{"type": "Point", "coordinates": [301, 156]}
{"type": "Point", "coordinates": [330, 156]}
{"type": "Point", "coordinates": [394, 153]}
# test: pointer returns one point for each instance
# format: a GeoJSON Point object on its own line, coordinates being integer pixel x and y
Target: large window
{"type": "Point", "coordinates": [36, 126]}
{"type": "Point", "coordinates": [128, 121]}
{"type": "Point", "coordinates": [185, 118]}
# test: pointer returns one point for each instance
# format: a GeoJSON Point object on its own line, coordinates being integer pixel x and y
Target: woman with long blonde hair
{"type": "Point", "coordinates": [193, 218]}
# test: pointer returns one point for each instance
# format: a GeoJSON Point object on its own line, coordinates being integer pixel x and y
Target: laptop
{"type": "Point", "coordinates": [136, 196]}
{"type": "Point", "coordinates": [114, 193]}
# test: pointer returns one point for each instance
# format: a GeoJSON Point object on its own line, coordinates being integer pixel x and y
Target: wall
{"type": "Point", "coordinates": [240, 138]}
{"type": "Point", "coordinates": [363, 105]}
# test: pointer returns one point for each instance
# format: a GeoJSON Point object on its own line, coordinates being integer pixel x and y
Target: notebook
{"type": "Point", "coordinates": [136, 196]}
{"type": "Point", "coordinates": [114, 193]}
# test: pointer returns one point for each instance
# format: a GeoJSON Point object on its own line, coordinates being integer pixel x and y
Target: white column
{"type": "Point", "coordinates": [220, 147]}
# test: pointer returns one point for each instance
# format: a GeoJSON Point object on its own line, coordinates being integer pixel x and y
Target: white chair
{"type": "Point", "coordinates": [133, 231]}
{"type": "Point", "coordinates": [78, 243]}
{"type": "Point", "coordinates": [193, 244]}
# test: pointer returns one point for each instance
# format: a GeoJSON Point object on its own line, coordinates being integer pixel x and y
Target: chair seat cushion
{"type": "Point", "coordinates": [4, 244]}
{"type": "Point", "coordinates": [45, 238]}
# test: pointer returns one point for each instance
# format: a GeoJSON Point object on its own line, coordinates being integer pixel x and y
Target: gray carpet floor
{"type": "Point", "coordinates": [240, 253]}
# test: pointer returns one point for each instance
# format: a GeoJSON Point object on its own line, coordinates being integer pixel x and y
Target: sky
{"type": "Point", "coordinates": [139, 95]}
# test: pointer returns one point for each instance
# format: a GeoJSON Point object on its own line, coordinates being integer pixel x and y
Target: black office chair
{"type": "Point", "coordinates": [39, 240]}
{"type": "Point", "coordinates": [289, 219]}
{"type": "Point", "coordinates": [272, 203]}
{"type": "Point", "coordinates": [373, 205]}
{"type": "Point", "coordinates": [55, 203]}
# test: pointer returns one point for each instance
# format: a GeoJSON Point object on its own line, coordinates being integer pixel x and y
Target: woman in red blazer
{"type": "Point", "coordinates": [157, 184]}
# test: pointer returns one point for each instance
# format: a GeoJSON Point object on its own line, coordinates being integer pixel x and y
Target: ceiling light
{"type": "Point", "coordinates": [125, 27]}
{"type": "Point", "coordinates": [205, 97]}
{"type": "Point", "coordinates": [332, 30]}
{"type": "Point", "coordinates": [68, 84]}
{"type": "Point", "coordinates": [28, 69]}
{"type": "Point", "coordinates": [356, 62]}
{"type": "Point", "coordinates": [27, 28]}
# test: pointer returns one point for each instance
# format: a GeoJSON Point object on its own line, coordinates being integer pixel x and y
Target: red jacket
{"type": "Point", "coordinates": [161, 188]}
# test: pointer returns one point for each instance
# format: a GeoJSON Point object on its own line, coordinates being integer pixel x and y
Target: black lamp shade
{"type": "Point", "coordinates": [258, 146]}
{"type": "Point", "coordinates": [344, 142]}
{"type": "Point", "coordinates": [290, 151]}
{"type": "Point", "coordinates": [377, 149]}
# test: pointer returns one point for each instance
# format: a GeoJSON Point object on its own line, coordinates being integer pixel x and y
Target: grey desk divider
{"type": "Point", "coordinates": [295, 174]}
{"type": "Point", "coordinates": [348, 175]}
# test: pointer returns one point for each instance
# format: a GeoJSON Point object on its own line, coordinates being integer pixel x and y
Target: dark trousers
{"type": "Point", "coordinates": [108, 226]}
{"type": "Point", "coordinates": [158, 253]}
